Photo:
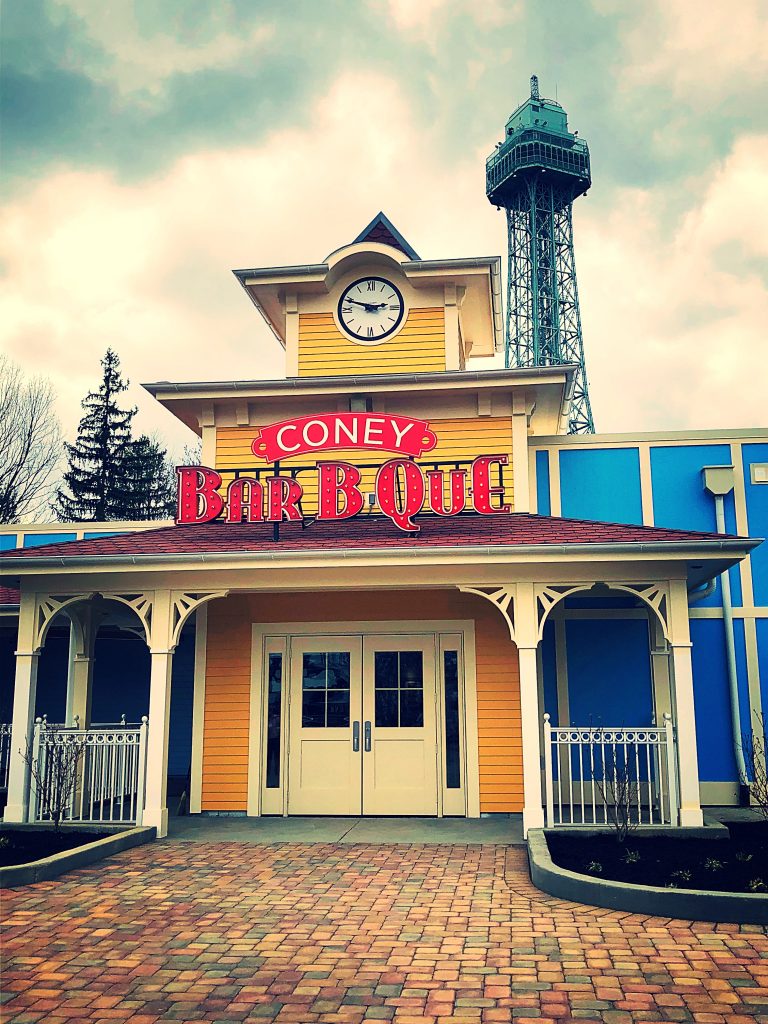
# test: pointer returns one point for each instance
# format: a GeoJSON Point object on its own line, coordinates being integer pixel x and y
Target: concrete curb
{"type": "Point", "coordinates": [689, 904]}
{"type": "Point", "coordinates": [50, 867]}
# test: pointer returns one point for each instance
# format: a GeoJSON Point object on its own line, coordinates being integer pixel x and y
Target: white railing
{"type": "Point", "coordinates": [95, 775]}
{"type": "Point", "coordinates": [603, 775]}
{"type": "Point", "coordinates": [5, 753]}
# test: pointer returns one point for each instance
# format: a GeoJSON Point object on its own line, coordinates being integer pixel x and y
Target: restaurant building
{"type": "Point", "coordinates": [396, 586]}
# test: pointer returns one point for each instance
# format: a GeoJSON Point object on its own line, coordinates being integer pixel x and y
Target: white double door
{"type": "Point", "coordinates": [363, 725]}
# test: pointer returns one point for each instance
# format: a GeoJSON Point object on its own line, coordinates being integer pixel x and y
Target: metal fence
{"type": "Point", "coordinates": [94, 775]}
{"type": "Point", "coordinates": [5, 753]}
{"type": "Point", "coordinates": [606, 776]}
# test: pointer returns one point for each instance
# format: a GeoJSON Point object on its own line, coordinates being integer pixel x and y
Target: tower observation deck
{"type": "Point", "coordinates": [534, 175]}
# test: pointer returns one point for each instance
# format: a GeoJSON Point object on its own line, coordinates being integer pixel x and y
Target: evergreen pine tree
{"type": "Point", "coordinates": [150, 481]}
{"type": "Point", "coordinates": [95, 480]}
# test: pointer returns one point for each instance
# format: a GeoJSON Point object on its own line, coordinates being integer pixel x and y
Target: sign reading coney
{"type": "Point", "coordinates": [348, 430]}
{"type": "Point", "coordinates": [401, 488]}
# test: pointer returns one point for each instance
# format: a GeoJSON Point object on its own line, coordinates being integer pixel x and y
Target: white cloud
{"type": "Point", "coordinates": [137, 60]}
{"type": "Point", "coordinates": [675, 334]}
{"type": "Point", "coordinates": [674, 322]}
{"type": "Point", "coordinates": [699, 50]}
{"type": "Point", "coordinates": [91, 262]}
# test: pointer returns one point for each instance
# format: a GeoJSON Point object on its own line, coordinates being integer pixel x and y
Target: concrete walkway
{"type": "Point", "coordinates": [219, 933]}
{"type": "Point", "coordinates": [382, 831]}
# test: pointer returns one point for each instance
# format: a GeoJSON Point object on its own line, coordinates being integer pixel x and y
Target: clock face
{"type": "Point", "coordinates": [371, 309]}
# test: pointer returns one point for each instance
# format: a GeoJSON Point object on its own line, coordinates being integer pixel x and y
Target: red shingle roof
{"type": "Point", "coordinates": [362, 533]}
{"type": "Point", "coordinates": [8, 596]}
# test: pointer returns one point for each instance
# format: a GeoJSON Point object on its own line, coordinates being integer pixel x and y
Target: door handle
{"type": "Point", "coordinates": [367, 737]}
{"type": "Point", "coordinates": [356, 736]}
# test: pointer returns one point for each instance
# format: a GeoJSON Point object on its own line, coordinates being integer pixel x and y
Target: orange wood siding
{"type": "Point", "coordinates": [419, 347]}
{"type": "Point", "coordinates": [457, 439]}
{"type": "Point", "coordinates": [500, 750]}
{"type": "Point", "coordinates": [227, 704]}
{"type": "Point", "coordinates": [228, 672]}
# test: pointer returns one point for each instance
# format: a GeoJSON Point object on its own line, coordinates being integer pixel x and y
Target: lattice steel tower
{"type": "Point", "coordinates": [535, 174]}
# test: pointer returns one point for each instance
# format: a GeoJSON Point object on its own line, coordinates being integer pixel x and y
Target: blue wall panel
{"type": "Point", "coordinates": [7, 541]}
{"type": "Point", "coordinates": [182, 695]}
{"type": "Point", "coordinates": [7, 671]}
{"type": "Point", "coordinates": [601, 483]}
{"type": "Point", "coordinates": [36, 540]}
{"type": "Point", "coordinates": [713, 715]}
{"type": "Point", "coordinates": [609, 672]}
{"type": "Point", "coordinates": [543, 503]}
{"type": "Point", "coordinates": [51, 696]}
{"type": "Point", "coordinates": [757, 518]}
{"type": "Point", "coordinates": [549, 670]}
{"type": "Point", "coordinates": [120, 684]}
{"type": "Point", "coordinates": [680, 501]}
{"type": "Point", "coordinates": [762, 660]}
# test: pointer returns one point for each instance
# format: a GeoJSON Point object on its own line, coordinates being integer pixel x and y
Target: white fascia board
{"type": "Point", "coordinates": [443, 380]}
{"type": "Point", "coordinates": [733, 549]}
{"type": "Point", "coordinates": [673, 436]}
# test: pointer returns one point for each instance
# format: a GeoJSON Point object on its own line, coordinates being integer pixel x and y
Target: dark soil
{"type": "Point", "coordinates": [737, 864]}
{"type": "Point", "coordinates": [22, 846]}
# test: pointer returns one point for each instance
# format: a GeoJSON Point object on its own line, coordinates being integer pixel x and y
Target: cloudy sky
{"type": "Point", "coordinates": [151, 146]}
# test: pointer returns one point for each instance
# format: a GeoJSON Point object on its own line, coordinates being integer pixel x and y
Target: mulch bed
{"type": "Point", "coordinates": [737, 864]}
{"type": "Point", "coordinates": [22, 846]}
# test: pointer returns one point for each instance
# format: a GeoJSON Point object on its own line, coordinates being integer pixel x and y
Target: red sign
{"type": "Point", "coordinates": [401, 490]}
{"type": "Point", "coordinates": [402, 435]}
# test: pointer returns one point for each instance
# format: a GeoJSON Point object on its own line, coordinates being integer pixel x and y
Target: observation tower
{"type": "Point", "coordinates": [534, 175]}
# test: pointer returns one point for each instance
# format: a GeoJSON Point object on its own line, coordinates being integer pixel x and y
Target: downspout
{"type": "Point", "coordinates": [699, 593]}
{"type": "Point", "coordinates": [718, 481]}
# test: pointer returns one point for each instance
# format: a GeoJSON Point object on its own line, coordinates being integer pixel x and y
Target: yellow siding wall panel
{"type": "Point", "coordinates": [228, 672]}
{"type": "Point", "coordinates": [456, 439]}
{"type": "Point", "coordinates": [419, 347]}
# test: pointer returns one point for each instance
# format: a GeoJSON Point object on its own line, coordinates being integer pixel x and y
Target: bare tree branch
{"type": "Point", "coordinates": [30, 443]}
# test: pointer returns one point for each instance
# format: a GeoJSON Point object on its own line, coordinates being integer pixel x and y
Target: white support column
{"type": "Point", "coordinates": [82, 636]}
{"type": "Point", "coordinates": [660, 676]}
{"type": "Point", "coordinates": [161, 653]}
{"type": "Point", "coordinates": [25, 689]}
{"type": "Point", "coordinates": [527, 640]}
{"type": "Point", "coordinates": [521, 483]}
{"type": "Point", "coordinates": [683, 706]}
{"type": "Point", "coordinates": [533, 811]}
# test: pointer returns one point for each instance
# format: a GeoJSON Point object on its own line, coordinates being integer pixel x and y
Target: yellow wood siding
{"type": "Point", "coordinates": [419, 347]}
{"type": "Point", "coordinates": [228, 671]}
{"type": "Point", "coordinates": [457, 439]}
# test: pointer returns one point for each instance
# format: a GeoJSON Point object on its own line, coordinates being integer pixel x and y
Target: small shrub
{"type": "Point", "coordinates": [4, 842]}
{"type": "Point", "coordinates": [757, 885]}
{"type": "Point", "coordinates": [682, 875]}
{"type": "Point", "coordinates": [595, 867]}
{"type": "Point", "coordinates": [631, 857]}
{"type": "Point", "coordinates": [743, 856]}
{"type": "Point", "coordinates": [713, 864]}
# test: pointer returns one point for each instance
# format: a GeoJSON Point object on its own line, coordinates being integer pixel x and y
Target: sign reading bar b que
{"type": "Point", "coordinates": [401, 488]}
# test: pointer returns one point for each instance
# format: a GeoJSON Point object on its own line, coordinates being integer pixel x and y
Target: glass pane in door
{"type": "Point", "coordinates": [325, 690]}
{"type": "Point", "coordinates": [399, 688]}
{"type": "Point", "coordinates": [274, 725]}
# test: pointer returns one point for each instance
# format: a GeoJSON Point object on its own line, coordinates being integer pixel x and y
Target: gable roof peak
{"type": "Point", "coordinates": [381, 229]}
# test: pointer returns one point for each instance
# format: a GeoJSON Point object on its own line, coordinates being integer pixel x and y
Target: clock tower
{"type": "Point", "coordinates": [374, 307]}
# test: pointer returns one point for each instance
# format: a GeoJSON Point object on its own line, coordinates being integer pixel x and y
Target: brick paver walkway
{"type": "Point", "coordinates": [234, 932]}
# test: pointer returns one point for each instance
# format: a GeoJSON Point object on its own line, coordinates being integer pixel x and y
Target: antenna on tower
{"type": "Point", "coordinates": [534, 87]}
